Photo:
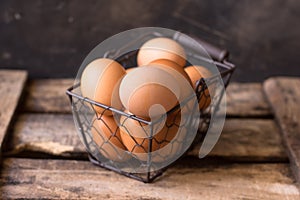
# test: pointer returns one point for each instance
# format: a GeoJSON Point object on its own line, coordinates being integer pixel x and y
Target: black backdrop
{"type": "Point", "coordinates": [51, 38]}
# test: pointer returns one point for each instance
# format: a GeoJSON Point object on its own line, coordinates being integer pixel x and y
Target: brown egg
{"type": "Point", "coordinates": [147, 88]}
{"type": "Point", "coordinates": [186, 90]}
{"type": "Point", "coordinates": [129, 69]}
{"type": "Point", "coordinates": [167, 152]}
{"type": "Point", "coordinates": [161, 48]}
{"type": "Point", "coordinates": [170, 64]}
{"type": "Point", "coordinates": [174, 147]}
{"type": "Point", "coordinates": [196, 73]}
{"type": "Point", "coordinates": [106, 134]}
{"type": "Point", "coordinates": [98, 82]}
{"type": "Point", "coordinates": [136, 136]}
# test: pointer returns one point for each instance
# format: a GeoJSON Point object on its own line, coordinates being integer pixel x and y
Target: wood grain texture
{"type": "Point", "coordinates": [248, 140]}
{"type": "Point", "coordinates": [48, 95]}
{"type": "Point", "coordinates": [64, 179]}
{"type": "Point", "coordinates": [246, 100]}
{"type": "Point", "coordinates": [11, 87]}
{"type": "Point", "coordinates": [52, 134]}
{"type": "Point", "coordinates": [55, 134]}
{"type": "Point", "coordinates": [284, 96]}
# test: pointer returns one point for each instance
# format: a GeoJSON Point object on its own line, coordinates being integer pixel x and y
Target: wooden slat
{"type": "Point", "coordinates": [243, 99]}
{"type": "Point", "coordinates": [65, 179]}
{"type": "Point", "coordinates": [55, 134]}
{"type": "Point", "coordinates": [52, 134]}
{"type": "Point", "coordinates": [284, 96]}
{"type": "Point", "coordinates": [48, 95]}
{"type": "Point", "coordinates": [246, 100]}
{"type": "Point", "coordinates": [248, 140]}
{"type": "Point", "coordinates": [11, 87]}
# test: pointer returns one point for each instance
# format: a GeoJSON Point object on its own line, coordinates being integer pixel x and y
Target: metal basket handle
{"type": "Point", "coordinates": [215, 52]}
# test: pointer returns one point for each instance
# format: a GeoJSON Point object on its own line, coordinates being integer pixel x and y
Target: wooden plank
{"type": "Point", "coordinates": [55, 134]}
{"type": "Point", "coordinates": [67, 179]}
{"type": "Point", "coordinates": [48, 95]}
{"type": "Point", "coordinates": [284, 95]}
{"type": "Point", "coordinates": [11, 87]}
{"type": "Point", "coordinates": [246, 100]}
{"type": "Point", "coordinates": [248, 140]}
{"type": "Point", "coordinates": [52, 134]}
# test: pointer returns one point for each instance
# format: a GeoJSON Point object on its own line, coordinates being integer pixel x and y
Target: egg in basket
{"type": "Point", "coordinates": [143, 97]}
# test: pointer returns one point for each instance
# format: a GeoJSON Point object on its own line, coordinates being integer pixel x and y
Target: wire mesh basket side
{"type": "Point", "coordinates": [106, 148]}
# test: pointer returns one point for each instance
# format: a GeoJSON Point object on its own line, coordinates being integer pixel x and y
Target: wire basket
{"type": "Point", "coordinates": [163, 148]}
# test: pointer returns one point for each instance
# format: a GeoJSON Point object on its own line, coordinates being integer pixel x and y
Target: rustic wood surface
{"type": "Point", "coordinates": [284, 96]}
{"type": "Point", "coordinates": [11, 87]}
{"type": "Point", "coordinates": [64, 179]}
{"type": "Point", "coordinates": [44, 158]}
{"type": "Point", "coordinates": [246, 100]}
{"type": "Point", "coordinates": [48, 95]}
{"type": "Point", "coordinates": [55, 134]}
{"type": "Point", "coordinates": [52, 134]}
{"type": "Point", "coordinates": [253, 140]}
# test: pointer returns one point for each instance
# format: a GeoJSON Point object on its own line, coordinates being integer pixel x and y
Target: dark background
{"type": "Point", "coordinates": [51, 38]}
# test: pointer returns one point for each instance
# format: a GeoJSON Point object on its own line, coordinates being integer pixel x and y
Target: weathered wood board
{"type": "Point", "coordinates": [243, 99]}
{"type": "Point", "coordinates": [52, 134]}
{"type": "Point", "coordinates": [64, 179]}
{"type": "Point", "coordinates": [55, 134]}
{"type": "Point", "coordinates": [44, 158]}
{"type": "Point", "coordinates": [252, 140]}
{"type": "Point", "coordinates": [284, 96]}
{"type": "Point", "coordinates": [48, 95]}
{"type": "Point", "coordinates": [246, 100]}
{"type": "Point", "coordinates": [11, 87]}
